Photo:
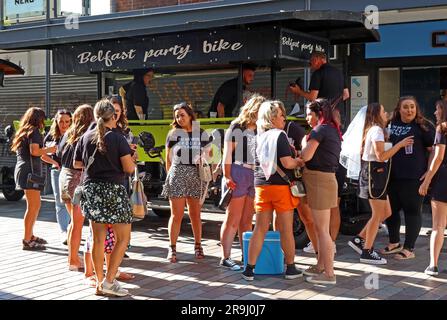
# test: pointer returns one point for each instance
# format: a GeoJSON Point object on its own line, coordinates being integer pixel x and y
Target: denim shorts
{"type": "Point", "coordinates": [244, 179]}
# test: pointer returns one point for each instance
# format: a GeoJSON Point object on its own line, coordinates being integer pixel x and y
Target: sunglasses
{"type": "Point", "coordinates": [63, 112]}
{"type": "Point", "coordinates": [182, 105]}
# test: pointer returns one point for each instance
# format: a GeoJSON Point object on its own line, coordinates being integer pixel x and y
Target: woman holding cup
{"type": "Point", "coordinates": [408, 169]}
{"type": "Point", "coordinates": [60, 125]}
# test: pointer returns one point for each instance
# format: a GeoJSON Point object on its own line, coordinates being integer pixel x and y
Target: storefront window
{"type": "Point", "coordinates": [425, 85]}
{"type": "Point", "coordinates": [23, 11]}
{"type": "Point", "coordinates": [68, 7]}
{"type": "Point", "coordinates": [389, 87]}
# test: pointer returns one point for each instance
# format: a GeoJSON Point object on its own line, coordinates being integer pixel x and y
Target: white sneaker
{"type": "Point", "coordinates": [383, 228]}
{"type": "Point", "coordinates": [114, 288]}
{"type": "Point", "coordinates": [309, 248]}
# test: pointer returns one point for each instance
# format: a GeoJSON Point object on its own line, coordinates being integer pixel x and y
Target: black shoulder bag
{"type": "Point", "coordinates": [34, 180]}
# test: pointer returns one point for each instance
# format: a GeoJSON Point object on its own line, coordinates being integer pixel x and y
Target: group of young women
{"type": "Point", "coordinates": [400, 164]}
{"type": "Point", "coordinates": [92, 152]}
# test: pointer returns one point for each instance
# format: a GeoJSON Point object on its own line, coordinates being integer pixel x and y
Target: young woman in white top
{"type": "Point", "coordinates": [373, 187]}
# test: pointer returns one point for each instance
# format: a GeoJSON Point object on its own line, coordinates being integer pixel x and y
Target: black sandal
{"type": "Point", "coordinates": [198, 251]}
{"type": "Point", "coordinates": [172, 254]}
{"type": "Point", "coordinates": [32, 245]}
{"type": "Point", "coordinates": [39, 240]}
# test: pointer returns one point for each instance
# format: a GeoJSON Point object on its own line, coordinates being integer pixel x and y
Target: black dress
{"type": "Point", "coordinates": [25, 160]}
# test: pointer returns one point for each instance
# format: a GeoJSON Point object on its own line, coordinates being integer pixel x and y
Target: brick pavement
{"type": "Point", "coordinates": [45, 276]}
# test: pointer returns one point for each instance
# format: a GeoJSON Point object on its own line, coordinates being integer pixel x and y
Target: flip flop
{"type": "Point", "coordinates": [91, 281]}
{"type": "Point", "coordinates": [388, 250]}
{"type": "Point", "coordinates": [124, 276]}
{"type": "Point", "coordinates": [402, 256]}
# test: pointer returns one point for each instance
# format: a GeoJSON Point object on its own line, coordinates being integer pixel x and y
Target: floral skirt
{"type": "Point", "coordinates": [183, 181]}
{"type": "Point", "coordinates": [106, 202]}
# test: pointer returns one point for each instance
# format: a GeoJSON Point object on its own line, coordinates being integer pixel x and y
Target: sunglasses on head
{"type": "Point", "coordinates": [182, 105]}
{"type": "Point", "coordinates": [61, 112]}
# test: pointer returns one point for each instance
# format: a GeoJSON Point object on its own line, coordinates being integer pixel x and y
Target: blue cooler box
{"type": "Point", "coordinates": [271, 259]}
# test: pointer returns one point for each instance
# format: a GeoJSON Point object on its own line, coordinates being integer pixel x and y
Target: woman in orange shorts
{"type": "Point", "coordinates": [275, 161]}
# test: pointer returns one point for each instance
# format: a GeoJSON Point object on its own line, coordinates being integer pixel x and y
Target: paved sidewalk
{"type": "Point", "coordinates": [45, 275]}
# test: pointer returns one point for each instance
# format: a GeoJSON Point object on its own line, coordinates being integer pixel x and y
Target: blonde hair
{"type": "Point", "coordinates": [249, 112]}
{"type": "Point", "coordinates": [267, 112]}
{"type": "Point", "coordinates": [82, 117]}
{"type": "Point", "coordinates": [104, 111]}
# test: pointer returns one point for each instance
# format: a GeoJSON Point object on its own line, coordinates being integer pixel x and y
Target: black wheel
{"type": "Point", "coordinates": [12, 195]}
{"type": "Point", "coordinates": [9, 191]}
{"type": "Point", "coordinates": [299, 232]}
{"type": "Point", "coordinates": [162, 213]}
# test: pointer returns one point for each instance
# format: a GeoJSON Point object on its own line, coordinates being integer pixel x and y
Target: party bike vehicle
{"type": "Point", "coordinates": [7, 184]}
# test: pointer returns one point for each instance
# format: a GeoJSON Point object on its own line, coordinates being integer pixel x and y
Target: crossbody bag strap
{"type": "Point", "coordinates": [386, 184]}
{"type": "Point", "coordinates": [288, 127]}
{"type": "Point", "coordinates": [31, 157]}
{"type": "Point", "coordinates": [283, 174]}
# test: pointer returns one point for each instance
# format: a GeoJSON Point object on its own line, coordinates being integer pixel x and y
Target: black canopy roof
{"type": "Point", "coordinates": [336, 26]}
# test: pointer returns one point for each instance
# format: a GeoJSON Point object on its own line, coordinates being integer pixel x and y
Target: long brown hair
{"type": "Point", "coordinates": [82, 118]}
{"type": "Point", "coordinates": [104, 111]}
{"type": "Point", "coordinates": [420, 119]}
{"type": "Point", "coordinates": [55, 132]}
{"type": "Point", "coordinates": [372, 118]}
{"type": "Point", "coordinates": [442, 124]}
{"type": "Point", "coordinates": [32, 119]}
{"type": "Point", "coordinates": [188, 109]}
{"type": "Point", "coordinates": [122, 123]}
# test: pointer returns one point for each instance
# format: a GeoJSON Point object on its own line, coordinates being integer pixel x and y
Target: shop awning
{"type": "Point", "coordinates": [336, 26]}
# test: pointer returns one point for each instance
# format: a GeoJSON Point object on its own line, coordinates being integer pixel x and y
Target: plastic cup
{"type": "Point", "coordinates": [213, 114]}
{"type": "Point", "coordinates": [409, 149]}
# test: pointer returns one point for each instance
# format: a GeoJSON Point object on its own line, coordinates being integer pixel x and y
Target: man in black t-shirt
{"type": "Point", "coordinates": [136, 100]}
{"type": "Point", "coordinates": [226, 98]}
{"type": "Point", "coordinates": [326, 82]}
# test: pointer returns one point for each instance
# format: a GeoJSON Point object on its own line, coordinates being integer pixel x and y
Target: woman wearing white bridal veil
{"type": "Point", "coordinates": [351, 145]}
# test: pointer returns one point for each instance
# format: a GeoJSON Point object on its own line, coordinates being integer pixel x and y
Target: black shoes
{"type": "Point", "coordinates": [248, 273]}
{"type": "Point", "coordinates": [292, 272]}
{"type": "Point", "coordinates": [357, 244]}
{"type": "Point", "coordinates": [371, 257]}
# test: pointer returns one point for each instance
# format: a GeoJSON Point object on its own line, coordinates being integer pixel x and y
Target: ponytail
{"type": "Point", "coordinates": [104, 111]}
{"type": "Point", "coordinates": [99, 136]}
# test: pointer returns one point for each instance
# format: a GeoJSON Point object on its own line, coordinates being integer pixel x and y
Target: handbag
{"type": "Point", "coordinates": [35, 180]}
{"type": "Point", "coordinates": [297, 187]}
{"type": "Point", "coordinates": [378, 177]}
{"type": "Point", "coordinates": [138, 199]}
{"type": "Point", "coordinates": [205, 171]}
{"type": "Point", "coordinates": [225, 199]}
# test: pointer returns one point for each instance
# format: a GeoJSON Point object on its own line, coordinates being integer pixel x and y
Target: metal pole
{"type": "Point", "coordinates": [307, 6]}
{"type": "Point", "coordinates": [2, 15]}
{"type": "Point", "coordinates": [48, 69]}
{"type": "Point", "coordinates": [99, 84]}
{"type": "Point", "coordinates": [273, 82]}
{"type": "Point", "coordinates": [239, 89]}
